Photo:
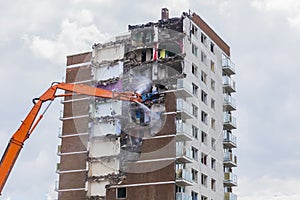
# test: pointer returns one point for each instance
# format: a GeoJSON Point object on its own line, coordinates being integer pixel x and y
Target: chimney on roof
{"type": "Point", "coordinates": [164, 14]}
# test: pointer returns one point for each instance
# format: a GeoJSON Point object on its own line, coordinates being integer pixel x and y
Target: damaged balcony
{"type": "Point", "coordinates": [183, 177]}
{"type": "Point", "coordinates": [229, 103]}
{"type": "Point", "coordinates": [184, 109]}
{"type": "Point", "coordinates": [229, 140]}
{"type": "Point", "coordinates": [230, 179]}
{"type": "Point", "coordinates": [228, 66]}
{"type": "Point", "coordinates": [183, 132]}
{"type": "Point", "coordinates": [143, 36]}
{"type": "Point", "coordinates": [230, 160]}
{"type": "Point", "coordinates": [184, 88]}
{"type": "Point", "coordinates": [183, 196]}
{"type": "Point", "coordinates": [183, 154]}
{"type": "Point", "coordinates": [228, 84]}
{"type": "Point", "coordinates": [230, 196]}
{"type": "Point", "coordinates": [229, 121]}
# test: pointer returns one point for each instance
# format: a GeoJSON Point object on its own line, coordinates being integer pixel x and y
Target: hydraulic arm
{"type": "Point", "coordinates": [28, 125]}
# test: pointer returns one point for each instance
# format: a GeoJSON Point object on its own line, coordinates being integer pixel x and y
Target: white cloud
{"type": "Point", "coordinates": [290, 9]}
{"type": "Point", "coordinates": [268, 188]}
{"type": "Point", "coordinates": [73, 38]}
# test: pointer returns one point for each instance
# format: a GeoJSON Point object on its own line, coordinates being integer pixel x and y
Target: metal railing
{"type": "Point", "coordinates": [229, 137]}
{"type": "Point", "coordinates": [229, 100]}
{"type": "Point", "coordinates": [228, 64]}
{"type": "Point", "coordinates": [183, 174]}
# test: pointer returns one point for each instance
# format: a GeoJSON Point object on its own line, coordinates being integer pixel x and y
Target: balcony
{"type": "Point", "coordinates": [56, 186]}
{"type": "Point", "coordinates": [228, 66]}
{"type": "Point", "coordinates": [229, 122]}
{"type": "Point", "coordinates": [230, 160]}
{"type": "Point", "coordinates": [183, 154]}
{"type": "Point", "coordinates": [228, 84]}
{"type": "Point", "coordinates": [58, 149]}
{"type": "Point", "coordinates": [229, 103]}
{"type": "Point", "coordinates": [183, 132]}
{"type": "Point", "coordinates": [183, 177]}
{"type": "Point", "coordinates": [183, 196]}
{"type": "Point", "coordinates": [230, 179]}
{"type": "Point", "coordinates": [184, 88]}
{"type": "Point", "coordinates": [230, 196]}
{"type": "Point", "coordinates": [57, 167]}
{"type": "Point", "coordinates": [184, 109]}
{"type": "Point", "coordinates": [229, 140]}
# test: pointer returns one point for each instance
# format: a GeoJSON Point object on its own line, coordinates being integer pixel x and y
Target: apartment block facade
{"type": "Point", "coordinates": [177, 144]}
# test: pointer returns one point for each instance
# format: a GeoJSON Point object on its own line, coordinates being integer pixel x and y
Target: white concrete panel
{"type": "Point", "coordinates": [106, 109]}
{"type": "Point", "coordinates": [110, 53]}
{"type": "Point", "coordinates": [101, 148]}
{"type": "Point", "coordinates": [107, 72]}
{"type": "Point", "coordinates": [97, 188]}
{"type": "Point", "coordinates": [102, 129]}
{"type": "Point", "coordinates": [104, 167]}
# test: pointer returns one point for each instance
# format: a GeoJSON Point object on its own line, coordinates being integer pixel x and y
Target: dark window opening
{"type": "Point", "coordinates": [121, 193]}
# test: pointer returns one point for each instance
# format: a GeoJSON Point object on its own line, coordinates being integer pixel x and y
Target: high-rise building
{"type": "Point", "coordinates": [177, 144]}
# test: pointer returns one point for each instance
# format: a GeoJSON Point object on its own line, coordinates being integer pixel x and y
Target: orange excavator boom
{"type": "Point", "coordinates": [28, 125]}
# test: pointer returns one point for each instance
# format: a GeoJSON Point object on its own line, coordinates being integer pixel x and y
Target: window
{"type": "Point", "coordinates": [204, 117]}
{"type": "Point", "coordinates": [212, 66]}
{"type": "Point", "coordinates": [212, 84]}
{"type": "Point", "coordinates": [203, 39]}
{"type": "Point", "coordinates": [195, 89]}
{"type": "Point", "coordinates": [195, 131]}
{"type": "Point", "coordinates": [194, 69]}
{"type": "Point", "coordinates": [213, 184]}
{"type": "Point", "coordinates": [204, 137]}
{"type": "Point", "coordinates": [194, 30]}
{"type": "Point", "coordinates": [204, 180]}
{"type": "Point", "coordinates": [204, 198]}
{"type": "Point", "coordinates": [195, 110]}
{"type": "Point", "coordinates": [195, 175]}
{"type": "Point", "coordinates": [203, 97]}
{"type": "Point", "coordinates": [212, 47]}
{"type": "Point", "coordinates": [213, 123]}
{"type": "Point", "coordinates": [194, 195]}
{"type": "Point", "coordinates": [203, 158]}
{"type": "Point", "coordinates": [194, 153]}
{"type": "Point", "coordinates": [203, 77]}
{"type": "Point", "coordinates": [194, 50]}
{"type": "Point", "coordinates": [213, 163]}
{"type": "Point", "coordinates": [121, 193]}
{"type": "Point", "coordinates": [213, 143]}
{"type": "Point", "coordinates": [203, 58]}
{"type": "Point", "coordinates": [213, 104]}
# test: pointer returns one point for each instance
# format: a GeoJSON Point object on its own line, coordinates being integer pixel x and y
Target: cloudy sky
{"type": "Point", "coordinates": [35, 37]}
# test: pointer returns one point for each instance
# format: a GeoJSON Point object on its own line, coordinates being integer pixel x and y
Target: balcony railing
{"type": "Point", "coordinates": [58, 149]}
{"type": "Point", "coordinates": [57, 167]}
{"type": "Point", "coordinates": [230, 160]}
{"type": "Point", "coordinates": [229, 103]}
{"type": "Point", "coordinates": [183, 131]}
{"type": "Point", "coordinates": [229, 121]}
{"type": "Point", "coordinates": [56, 186]}
{"type": "Point", "coordinates": [183, 196]}
{"type": "Point", "coordinates": [184, 88]}
{"type": "Point", "coordinates": [183, 154]}
{"type": "Point", "coordinates": [228, 66]}
{"type": "Point", "coordinates": [183, 177]}
{"type": "Point", "coordinates": [229, 140]}
{"type": "Point", "coordinates": [228, 84]}
{"type": "Point", "coordinates": [230, 196]}
{"type": "Point", "coordinates": [230, 179]}
{"type": "Point", "coordinates": [184, 109]}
